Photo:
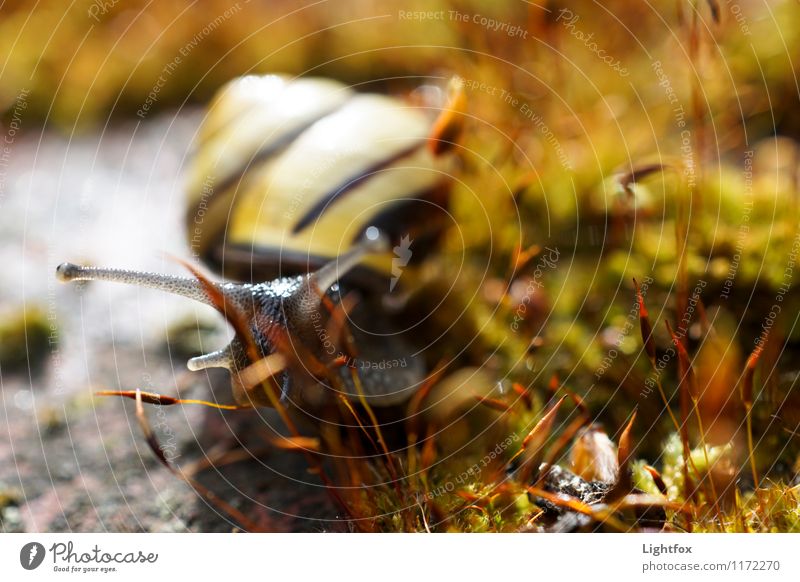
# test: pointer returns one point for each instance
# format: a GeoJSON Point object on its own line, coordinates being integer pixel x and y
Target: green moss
{"type": "Point", "coordinates": [26, 338]}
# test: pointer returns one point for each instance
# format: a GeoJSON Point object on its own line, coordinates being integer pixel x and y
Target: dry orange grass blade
{"type": "Point", "coordinates": [688, 394]}
{"type": "Point", "coordinates": [522, 257]}
{"type": "Point", "coordinates": [718, 369]}
{"type": "Point", "coordinates": [262, 370]}
{"type": "Point", "coordinates": [469, 497]}
{"type": "Point", "coordinates": [158, 451]}
{"type": "Point", "coordinates": [163, 400]}
{"type": "Point", "coordinates": [338, 326]}
{"type": "Point", "coordinates": [657, 479]}
{"type": "Point", "coordinates": [646, 330]}
{"type": "Point", "coordinates": [624, 484]}
{"type": "Point", "coordinates": [428, 456]}
{"type": "Point", "coordinates": [376, 427]}
{"type": "Point", "coordinates": [349, 407]}
{"type": "Point", "coordinates": [539, 433]}
{"type": "Point", "coordinates": [493, 403]}
{"type": "Point", "coordinates": [579, 402]}
{"type": "Point", "coordinates": [296, 443]}
{"type": "Point", "coordinates": [645, 326]}
{"type": "Point", "coordinates": [415, 402]}
{"type": "Point", "coordinates": [524, 394]}
{"type": "Point", "coordinates": [686, 379]}
{"type": "Point", "coordinates": [532, 450]}
{"type": "Point", "coordinates": [747, 399]}
{"type": "Point", "coordinates": [601, 515]}
{"type": "Point", "coordinates": [450, 123]}
{"type": "Point", "coordinates": [626, 445]}
{"type": "Point", "coordinates": [749, 374]}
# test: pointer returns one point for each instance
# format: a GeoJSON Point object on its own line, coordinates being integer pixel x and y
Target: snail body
{"type": "Point", "coordinates": [297, 191]}
{"type": "Point", "coordinates": [297, 308]}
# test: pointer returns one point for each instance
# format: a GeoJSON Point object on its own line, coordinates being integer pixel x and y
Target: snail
{"type": "Point", "coordinates": [297, 189]}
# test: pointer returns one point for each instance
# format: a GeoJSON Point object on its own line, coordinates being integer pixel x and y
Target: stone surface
{"type": "Point", "coordinates": [72, 461]}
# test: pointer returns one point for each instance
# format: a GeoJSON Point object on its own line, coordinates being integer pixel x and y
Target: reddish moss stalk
{"type": "Point", "coordinates": [685, 389]}
{"type": "Point", "coordinates": [747, 400]}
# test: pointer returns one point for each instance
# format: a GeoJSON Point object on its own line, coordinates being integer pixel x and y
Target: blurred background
{"type": "Point", "coordinates": [101, 101]}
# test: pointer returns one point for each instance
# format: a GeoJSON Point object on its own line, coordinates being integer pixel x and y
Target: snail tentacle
{"type": "Point", "coordinates": [374, 242]}
{"type": "Point", "coordinates": [183, 286]}
{"type": "Point", "coordinates": [218, 359]}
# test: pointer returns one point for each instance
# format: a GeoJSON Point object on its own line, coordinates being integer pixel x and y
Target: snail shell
{"type": "Point", "coordinates": [290, 172]}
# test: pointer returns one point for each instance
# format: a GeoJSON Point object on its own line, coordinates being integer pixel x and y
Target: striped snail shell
{"type": "Point", "coordinates": [289, 173]}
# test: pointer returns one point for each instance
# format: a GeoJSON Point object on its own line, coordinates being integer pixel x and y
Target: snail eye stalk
{"type": "Point", "coordinates": [183, 286]}
{"type": "Point", "coordinates": [374, 242]}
